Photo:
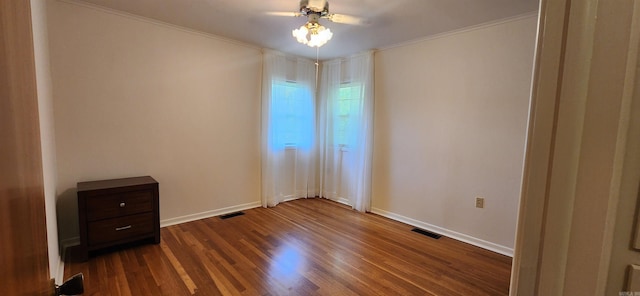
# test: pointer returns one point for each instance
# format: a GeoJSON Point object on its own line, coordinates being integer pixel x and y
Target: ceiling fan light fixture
{"type": "Point", "coordinates": [312, 34]}
{"type": "Point", "coordinates": [301, 34]}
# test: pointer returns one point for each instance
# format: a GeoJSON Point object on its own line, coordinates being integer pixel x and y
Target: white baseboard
{"type": "Point", "coordinates": [57, 272]}
{"type": "Point", "coordinates": [290, 198]}
{"type": "Point", "coordinates": [69, 242]}
{"type": "Point", "coordinates": [75, 241]}
{"type": "Point", "coordinates": [208, 214]}
{"type": "Point", "coordinates": [64, 245]}
{"type": "Point", "coordinates": [343, 201]}
{"type": "Point", "coordinates": [446, 232]}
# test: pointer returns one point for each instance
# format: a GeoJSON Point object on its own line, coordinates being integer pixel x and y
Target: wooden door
{"type": "Point", "coordinates": [23, 239]}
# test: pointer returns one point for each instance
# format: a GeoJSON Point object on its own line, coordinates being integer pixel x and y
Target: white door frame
{"type": "Point", "coordinates": [575, 148]}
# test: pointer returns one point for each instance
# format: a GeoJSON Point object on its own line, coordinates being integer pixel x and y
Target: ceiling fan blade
{"type": "Point", "coordinates": [346, 19]}
{"type": "Point", "coordinates": [283, 13]}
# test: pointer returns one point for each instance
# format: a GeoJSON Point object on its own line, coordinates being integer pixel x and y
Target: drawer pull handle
{"type": "Point", "coordinates": [123, 228]}
{"type": "Point", "coordinates": [122, 204]}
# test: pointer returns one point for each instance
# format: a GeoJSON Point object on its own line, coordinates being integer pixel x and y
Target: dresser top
{"type": "Point", "coordinates": [114, 183]}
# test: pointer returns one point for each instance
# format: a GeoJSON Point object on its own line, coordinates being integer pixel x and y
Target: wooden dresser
{"type": "Point", "coordinates": [118, 211]}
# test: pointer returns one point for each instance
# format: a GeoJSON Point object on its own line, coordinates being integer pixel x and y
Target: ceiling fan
{"type": "Point", "coordinates": [313, 33]}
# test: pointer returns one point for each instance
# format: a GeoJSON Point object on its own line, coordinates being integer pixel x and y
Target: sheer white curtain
{"type": "Point", "coordinates": [346, 130]}
{"type": "Point", "coordinates": [288, 129]}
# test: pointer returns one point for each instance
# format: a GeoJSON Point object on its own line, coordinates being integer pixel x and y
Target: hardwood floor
{"type": "Point", "coordinates": [302, 247]}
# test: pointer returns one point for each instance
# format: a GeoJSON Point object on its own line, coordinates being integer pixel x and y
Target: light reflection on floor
{"type": "Point", "coordinates": [288, 265]}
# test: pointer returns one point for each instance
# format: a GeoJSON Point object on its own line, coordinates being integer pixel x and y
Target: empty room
{"type": "Point", "coordinates": [283, 147]}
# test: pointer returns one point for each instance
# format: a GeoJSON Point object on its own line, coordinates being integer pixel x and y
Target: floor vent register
{"type": "Point", "coordinates": [231, 215]}
{"type": "Point", "coordinates": [427, 233]}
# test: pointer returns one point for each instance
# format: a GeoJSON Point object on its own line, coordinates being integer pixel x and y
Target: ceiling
{"type": "Point", "coordinates": [390, 22]}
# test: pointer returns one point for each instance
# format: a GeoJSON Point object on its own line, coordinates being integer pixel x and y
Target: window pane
{"type": "Point", "coordinates": [346, 112]}
{"type": "Point", "coordinates": [292, 121]}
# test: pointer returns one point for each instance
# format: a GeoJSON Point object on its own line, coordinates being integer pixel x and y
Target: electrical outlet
{"type": "Point", "coordinates": [480, 202]}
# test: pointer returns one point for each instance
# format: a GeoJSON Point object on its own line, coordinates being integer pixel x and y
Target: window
{"type": "Point", "coordinates": [346, 113]}
{"type": "Point", "coordinates": [292, 115]}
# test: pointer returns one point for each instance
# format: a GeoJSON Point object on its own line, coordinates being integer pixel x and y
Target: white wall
{"type": "Point", "coordinates": [47, 134]}
{"type": "Point", "coordinates": [450, 122]}
{"type": "Point", "coordinates": [137, 97]}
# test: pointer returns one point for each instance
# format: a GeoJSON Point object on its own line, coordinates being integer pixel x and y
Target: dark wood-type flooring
{"type": "Point", "coordinates": [302, 247]}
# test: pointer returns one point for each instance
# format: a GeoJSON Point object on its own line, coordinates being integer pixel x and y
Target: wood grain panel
{"type": "Point", "coordinates": [302, 247]}
{"type": "Point", "coordinates": [110, 206]}
{"type": "Point", "coordinates": [121, 228]}
{"type": "Point", "coordinates": [23, 239]}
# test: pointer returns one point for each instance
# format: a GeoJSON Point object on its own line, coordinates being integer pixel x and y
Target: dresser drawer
{"type": "Point", "coordinates": [117, 211]}
{"type": "Point", "coordinates": [110, 206]}
{"type": "Point", "coordinates": [122, 228]}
